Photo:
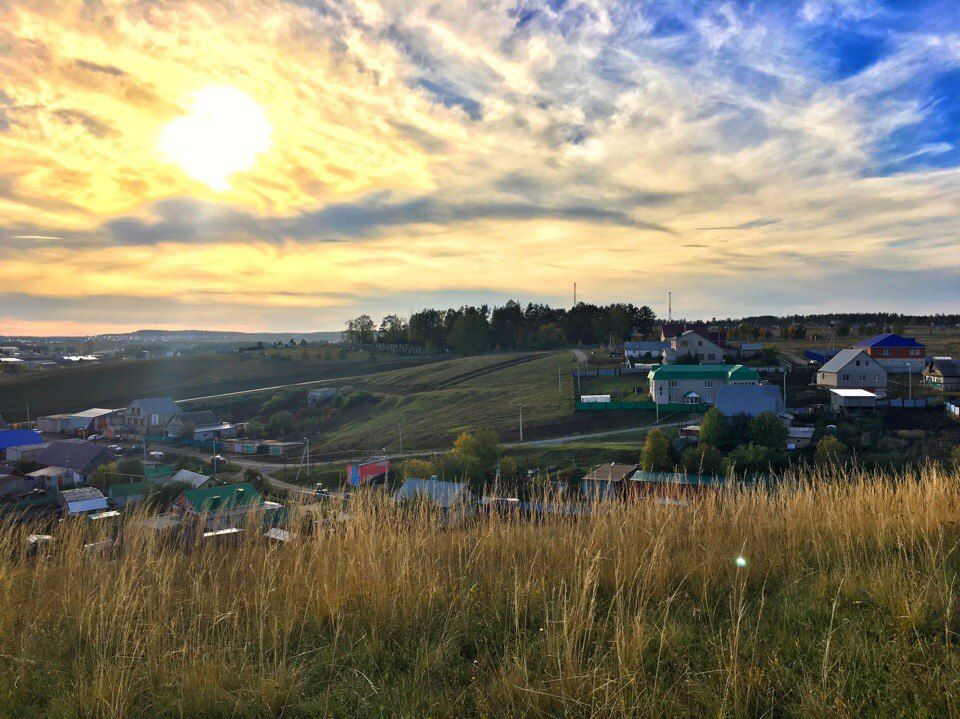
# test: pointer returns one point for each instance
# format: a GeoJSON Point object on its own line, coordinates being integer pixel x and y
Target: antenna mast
{"type": "Point", "coordinates": [574, 294]}
{"type": "Point", "coordinates": [669, 306]}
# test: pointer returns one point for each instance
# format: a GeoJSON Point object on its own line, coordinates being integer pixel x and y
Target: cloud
{"type": "Point", "coordinates": [491, 146]}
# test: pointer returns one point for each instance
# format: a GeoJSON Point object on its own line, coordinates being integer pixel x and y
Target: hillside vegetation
{"type": "Point", "coordinates": [846, 606]}
{"type": "Point", "coordinates": [115, 384]}
{"type": "Point", "coordinates": [435, 403]}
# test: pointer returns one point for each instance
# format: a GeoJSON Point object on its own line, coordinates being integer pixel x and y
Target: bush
{"type": "Point", "coordinates": [751, 459]}
{"type": "Point", "coordinates": [831, 450]}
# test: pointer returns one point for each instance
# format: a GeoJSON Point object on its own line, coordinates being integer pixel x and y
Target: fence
{"type": "Point", "coordinates": [915, 403]}
{"type": "Point", "coordinates": [646, 405]}
{"type": "Point", "coordinates": [953, 409]}
{"type": "Point", "coordinates": [208, 444]}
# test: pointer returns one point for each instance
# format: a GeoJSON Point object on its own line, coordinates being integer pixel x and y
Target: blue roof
{"type": "Point", "coordinates": [888, 339]}
{"type": "Point", "coordinates": [18, 437]}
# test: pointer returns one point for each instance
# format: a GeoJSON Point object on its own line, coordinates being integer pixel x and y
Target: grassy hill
{"type": "Point", "coordinates": [845, 606]}
{"type": "Point", "coordinates": [435, 403]}
{"type": "Point", "coordinates": [115, 384]}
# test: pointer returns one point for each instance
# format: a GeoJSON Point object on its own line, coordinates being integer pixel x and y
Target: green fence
{"type": "Point", "coordinates": [646, 406]}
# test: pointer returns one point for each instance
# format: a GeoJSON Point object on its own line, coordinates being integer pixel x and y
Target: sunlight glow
{"type": "Point", "coordinates": [222, 135]}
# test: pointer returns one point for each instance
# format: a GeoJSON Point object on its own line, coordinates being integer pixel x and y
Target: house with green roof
{"type": "Point", "coordinates": [225, 505]}
{"type": "Point", "coordinates": [696, 384]}
{"type": "Point", "coordinates": [120, 495]}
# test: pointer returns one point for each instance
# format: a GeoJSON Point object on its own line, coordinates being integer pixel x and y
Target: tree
{"type": "Point", "coordinates": [750, 459]}
{"type": "Point", "coordinates": [483, 445]}
{"type": "Point", "coordinates": [843, 329]}
{"type": "Point", "coordinates": [282, 423]}
{"type": "Point", "coordinates": [768, 430]}
{"type": "Point", "coordinates": [715, 429]}
{"type": "Point", "coordinates": [393, 330]}
{"type": "Point", "coordinates": [655, 456]}
{"type": "Point", "coordinates": [470, 334]}
{"type": "Point", "coordinates": [830, 451]}
{"type": "Point", "coordinates": [703, 460]}
{"type": "Point", "coordinates": [416, 468]}
{"type": "Point", "coordinates": [549, 336]}
{"type": "Point", "coordinates": [506, 325]}
{"type": "Point", "coordinates": [360, 330]}
{"type": "Point", "coordinates": [426, 329]}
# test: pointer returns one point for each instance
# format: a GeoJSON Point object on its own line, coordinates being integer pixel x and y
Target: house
{"type": "Point", "coordinates": [690, 343]}
{"type": "Point", "coordinates": [220, 506]}
{"type": "Point", "coordinates": [185, 476]}
{"type": "Point", "coordinates": [751, 400]}
{"type": "Point", "coordinates": [799, 437]}
{"type": "Point", "coordinates": [84, 423]}
{"type": "Point", "coordinates": [54, 478]}
{"type": "Point", "coordinates": [82, 500]}
{"type": "Point", "coordinates": [201, 424]}
{"type": "Point", "coordinates": [371, 471]}
{"type": "Point", "coordinates": [669, 330]}
{"type": "Point", "coordinates": [13, 482]}
{"type": "Point", "coordinates": [120, 495]}
{"type": "Point", "coordinates": [607, 481]}
{"type": "Point", "coordinates": [26, 452]}
{"type": "Point", "coordinates": [895, 353]}
{"type": "Point", "coordinates": [943, 373]}
{"type": "Point", "coordinates": [674, 487]}
{"type": "Point", "coordinates": [746, 350]}
{"type": "Point", "coordinates": [696, 384]}
{"type": "Point", "coordinates": [853, 369]}
{"type": "Point", "coordinates": [445, 495]}
{"type": "Point", "coordinates": [644, 351]}
{"type": "Point", "coordinates": [852, 399]}
{"type": "Point", "coordinates": [81, 457]}
{"type": "Point", "coordinates": [17, 438]}
{"type": "Point", "coordinates": [150, 415]}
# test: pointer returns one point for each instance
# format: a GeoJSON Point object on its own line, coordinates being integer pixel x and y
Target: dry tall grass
{"type": "Point", "coordinates": [846, 608]}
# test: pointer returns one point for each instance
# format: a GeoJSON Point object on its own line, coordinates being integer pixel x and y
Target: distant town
{"type": "Point", "coordinates": [639, 408]}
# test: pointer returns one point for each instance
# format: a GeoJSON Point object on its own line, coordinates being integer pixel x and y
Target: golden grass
{"type": "Point", "coordinates": [846, 608]}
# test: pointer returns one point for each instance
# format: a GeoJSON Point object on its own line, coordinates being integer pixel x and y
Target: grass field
{"type": "Point", "coordinates": [846, 607]}
{"type": "Point", "coordinates": [116, 384]}
{"type": "Point", "coordinates": [436, 402]}
{"type": "Point", "coordinates": [939, 342]}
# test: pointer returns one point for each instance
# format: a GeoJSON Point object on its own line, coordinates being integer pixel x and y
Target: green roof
{"type": "Point", "coordinates": [128, 489]}
{"type": "Point", "coordinates": [226, 496]}
{"type": "Point", "coordinates": [731, 372]}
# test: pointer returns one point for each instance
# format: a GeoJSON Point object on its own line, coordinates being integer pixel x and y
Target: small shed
{"type": "Point", "coordinates": [82, 500]}
{"type": "Point", "coordinates": [607, 480]}
{"type": "Point", "coordinates": [853, 400]}
{"type": "Point", "coordinates": [434, 491]}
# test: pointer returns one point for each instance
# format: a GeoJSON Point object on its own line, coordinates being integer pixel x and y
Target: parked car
{"type": "Point", "coordinates": [115, 448]}
{"type": "Point", "coordinates": [158, 456]}
{"type": "Point", "coordinates": [95, 437]}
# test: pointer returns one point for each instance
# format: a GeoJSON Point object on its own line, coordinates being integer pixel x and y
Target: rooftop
{"type": "Point", "coordinates": [889, 339]}
{"type": "Point", "coordinates": [853, 393]}
{"type": "Point", "coordinates": [730, 372]}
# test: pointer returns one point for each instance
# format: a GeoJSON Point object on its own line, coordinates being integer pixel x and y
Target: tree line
{"type": "Point", "coordinates": [475, 329]}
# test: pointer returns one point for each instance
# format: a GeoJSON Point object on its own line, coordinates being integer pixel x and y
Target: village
{"type": "Point", "coordinates": [724, 411]}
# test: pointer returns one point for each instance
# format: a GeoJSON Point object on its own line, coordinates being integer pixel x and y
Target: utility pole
{"type": "Point", "coordinates": [400, 430]}
{"type": "Point", "coordinates": [521, 423]}
{"type": "Point", "coordinates": [910, 380]}
{"type": "Point", "coordinates": [669, 306]}
{"type": "Point", "coordinates": [574, 294]}
{"type": "Point", "coordinates": [785, 387]}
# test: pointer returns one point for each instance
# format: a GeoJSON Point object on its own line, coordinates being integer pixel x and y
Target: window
{"type": "Point", "coordinates": [914, 352]}
{"type": "Point", "coordinates": [708, 383]}
{"type": "Point", "coordinates": [846, 377]}
{"type": "Point", "coordinates": [692, 400]}
{"type": "Point", "coordinates": [672, 384]}
{"type": "Point", "coordinates": [858, 363]}
{"type": "Point", "coordinates": [886, 353]}
{"type": "Point", "coordinates": [699, 343]}
{"type": "Point", "coordinates": [876, 378]}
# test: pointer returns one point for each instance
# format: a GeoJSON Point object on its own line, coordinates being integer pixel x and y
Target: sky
{"type": "Point", "coordinates": [287, 165]}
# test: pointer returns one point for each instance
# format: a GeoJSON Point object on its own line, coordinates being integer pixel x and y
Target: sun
{"type": "Point", "coordinates": [222, 134]}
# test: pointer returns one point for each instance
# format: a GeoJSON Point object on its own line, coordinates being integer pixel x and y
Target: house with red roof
{"type": "Point", "coordinates": [895, 353]}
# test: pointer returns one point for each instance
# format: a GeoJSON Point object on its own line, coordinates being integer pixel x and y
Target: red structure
{"type": "Point", "coordinates": [364, 473]}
